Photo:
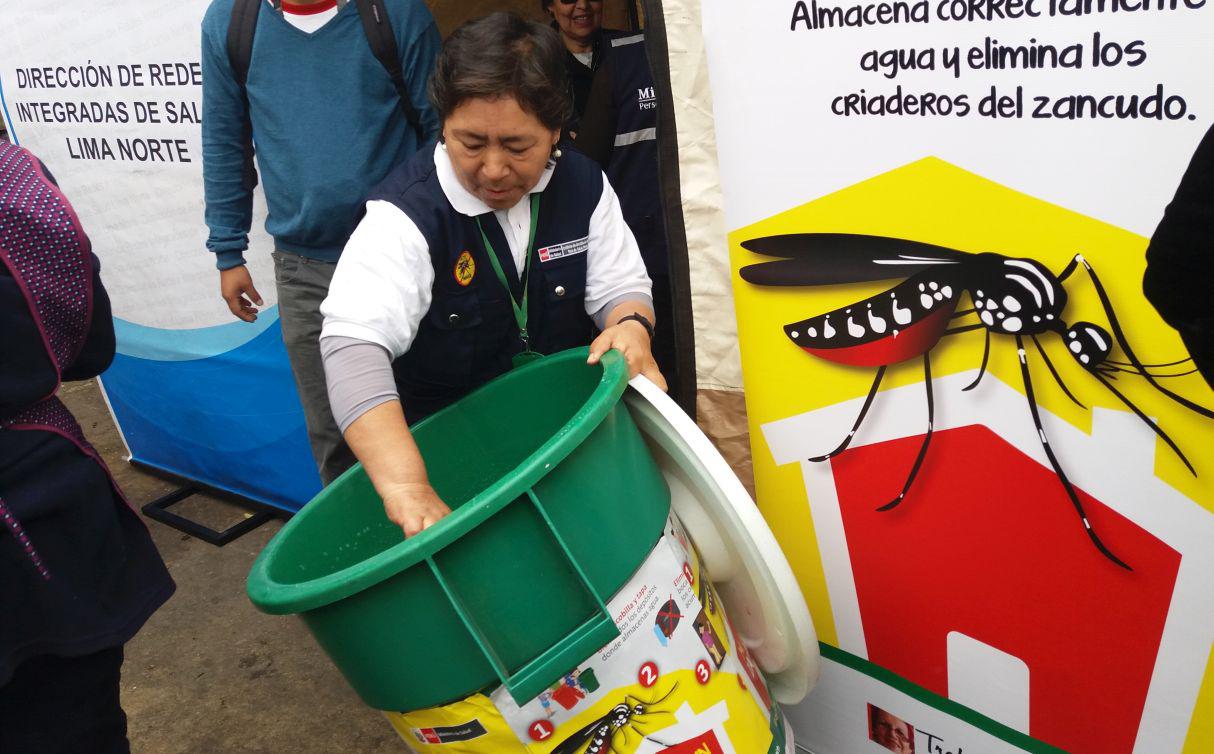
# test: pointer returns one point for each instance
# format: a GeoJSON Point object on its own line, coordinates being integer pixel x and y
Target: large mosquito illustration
{"type": "Point", "coordinates": [599, 735]}
{"type": "Point", "coordinates": [1010, 296]}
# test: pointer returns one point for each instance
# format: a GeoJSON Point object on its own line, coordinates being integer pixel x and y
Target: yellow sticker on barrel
{"type": "Point", "coordinates": [469, 726]}
{"type": "Point", "coordinates": [675, 680]}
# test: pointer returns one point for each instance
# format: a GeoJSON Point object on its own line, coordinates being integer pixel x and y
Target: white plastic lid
{"type": "Point", "coordinates": [742, 557]}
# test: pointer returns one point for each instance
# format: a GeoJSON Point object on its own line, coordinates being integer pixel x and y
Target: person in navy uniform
{"type": "Point", "coordinates": [490, 247]}
{"type": "Point", "coordinates": [619, 130]}
{"type": "Point", "coordinates": [587, 43]}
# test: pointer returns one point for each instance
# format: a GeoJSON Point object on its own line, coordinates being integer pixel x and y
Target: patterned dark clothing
{"type": "Point", "coordinates": [78, 570]}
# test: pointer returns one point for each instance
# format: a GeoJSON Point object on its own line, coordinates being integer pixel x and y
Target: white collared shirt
{"type": "Point", "coordinates": [383, 282]}
{"type": "Point", "coordinates": [515, 222]}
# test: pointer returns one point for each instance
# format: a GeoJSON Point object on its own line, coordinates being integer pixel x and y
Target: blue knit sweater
{"type": "Point", "coordinates": [327, 125]}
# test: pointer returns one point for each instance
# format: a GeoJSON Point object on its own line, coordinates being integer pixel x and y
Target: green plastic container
{"type": "Point", "coordinates": [556, 502]}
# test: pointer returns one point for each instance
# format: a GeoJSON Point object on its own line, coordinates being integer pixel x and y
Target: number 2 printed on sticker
{"type": "Point", "coordinates": [647, 676]}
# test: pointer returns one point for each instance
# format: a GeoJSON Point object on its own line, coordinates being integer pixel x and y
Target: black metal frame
{"type": "Point", "coordinates": [158, 509]}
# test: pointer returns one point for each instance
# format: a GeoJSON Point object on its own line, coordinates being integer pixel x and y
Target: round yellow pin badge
{"type": "Point", "coordinates": [465, 268]}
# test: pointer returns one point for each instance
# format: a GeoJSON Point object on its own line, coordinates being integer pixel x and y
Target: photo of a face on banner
{"type": "Point", "coordinates": [890, 731]}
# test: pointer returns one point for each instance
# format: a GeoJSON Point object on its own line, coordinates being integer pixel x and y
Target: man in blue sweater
{"type": "Point", "coordinates": [328, 124]}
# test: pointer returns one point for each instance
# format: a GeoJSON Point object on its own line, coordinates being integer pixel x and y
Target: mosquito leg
{"type": "Point", "coordinates": [635, 725]}
{"type": "Point", "coordinates": [1070, 268]}
{"type": "Point", "coordinates": [1049, 453]}
{"type": "Point", "coordinates": [647, 737]}
{"type": "Point", "coordinates": [868, 402]}
{"type": "Point", "coordinates": [1119, 334]}
{"type": "Point", "coordinates": [1148, 421]}
{"type": "Point", "coordinates": [1054, 372]}
{"type": "Point", "coordinates": [1152, 366]}
{"type": "Point", "coordinates": [1178, 374]}
{"type": "Point", "coordinates": [661, 699]}
{"type": "Point", "coordinates": [1156, 375]}
{"type": "Point", "coordinates": [623, 732]}
{"type": "Point", "coordinates": [931, 413]}
{"type": "Point", "coordinates": [986, 355]}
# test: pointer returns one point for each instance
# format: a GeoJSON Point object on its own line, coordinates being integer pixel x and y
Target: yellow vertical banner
{"type": "Point", "coordinates": [983, 449]}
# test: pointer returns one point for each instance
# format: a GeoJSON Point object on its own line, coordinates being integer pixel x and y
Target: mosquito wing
{"type": "Point", "coordinates": [836, 258]}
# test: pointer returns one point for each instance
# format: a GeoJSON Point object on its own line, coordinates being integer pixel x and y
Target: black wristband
{"type": "Point", "coordinates": [637, 317]}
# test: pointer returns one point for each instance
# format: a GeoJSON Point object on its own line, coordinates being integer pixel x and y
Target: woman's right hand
{"type": "Point", "coordinates": [381, 440]}
{"type": "Point", "coordinates": [414, 507]}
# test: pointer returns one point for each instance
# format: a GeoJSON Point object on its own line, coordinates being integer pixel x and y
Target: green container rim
{"type": "Point", "coordinates": [281, 599]}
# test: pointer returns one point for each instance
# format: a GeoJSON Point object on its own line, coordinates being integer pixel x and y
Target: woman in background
{"type": "Point", "coordinates": [79, 574]}
{"type": "Point", "coordinates": [580, 23]}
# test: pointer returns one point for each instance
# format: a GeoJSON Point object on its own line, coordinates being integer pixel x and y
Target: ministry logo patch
{"type": "Point", "coordinates": [566, 249]}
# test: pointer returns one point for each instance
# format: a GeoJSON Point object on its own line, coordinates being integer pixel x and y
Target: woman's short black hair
{"type": "Point", "coordinates": [503, 55]}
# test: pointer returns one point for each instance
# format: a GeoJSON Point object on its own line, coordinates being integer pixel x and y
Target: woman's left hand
{"type": "Point", "coordinates": [631, 339]}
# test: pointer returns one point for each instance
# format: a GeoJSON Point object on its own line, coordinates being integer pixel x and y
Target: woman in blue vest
{"type": "Point", "coordinates": [492, 247]}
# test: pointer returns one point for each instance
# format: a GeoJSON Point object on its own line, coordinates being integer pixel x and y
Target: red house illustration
{"type": "Point", "coordinates": [983, 587]}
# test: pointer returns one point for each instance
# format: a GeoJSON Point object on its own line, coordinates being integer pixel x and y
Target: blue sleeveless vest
{"type": "Point", "coordinates": [633, 168]}
{"type": "Point", "coordinates": [469, 334]}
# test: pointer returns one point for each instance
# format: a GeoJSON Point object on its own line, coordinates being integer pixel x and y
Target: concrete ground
{"type": "Point", "coordinates": [209, 673]}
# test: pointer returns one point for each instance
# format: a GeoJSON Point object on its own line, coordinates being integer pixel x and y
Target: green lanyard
{"type": "Point", "coordinates": [520, 309]}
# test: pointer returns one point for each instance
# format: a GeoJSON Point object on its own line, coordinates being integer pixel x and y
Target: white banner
{"type": "Point", "coordinates": [109, 98]}
{"type": "Point", "coordinates": [812, 97]}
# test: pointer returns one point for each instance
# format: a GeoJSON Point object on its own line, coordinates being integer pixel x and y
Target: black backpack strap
{"type": "Point", "coordinates": [383, 45]}
{"type": "Point", "coordinates": [240, 52]}
{"type": "Point", "coordinates": [240, 37]}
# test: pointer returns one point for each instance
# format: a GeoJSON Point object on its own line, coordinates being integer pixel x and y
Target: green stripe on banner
{"type": "Point", "coordinates": [932, 699]}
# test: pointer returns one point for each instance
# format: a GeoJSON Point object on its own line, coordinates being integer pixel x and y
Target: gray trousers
{"type": "Point", "coordinates": [302, 284]}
